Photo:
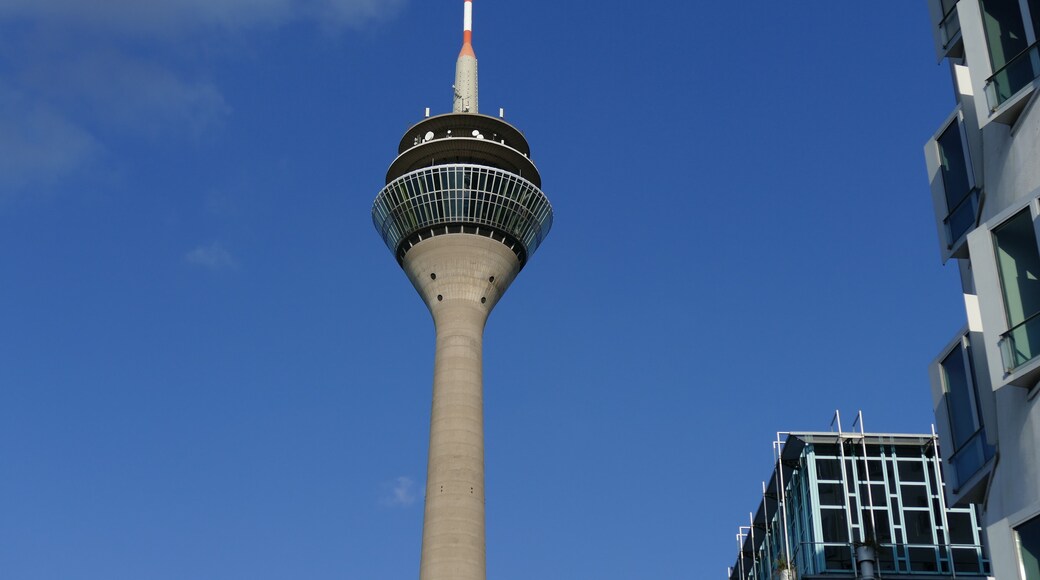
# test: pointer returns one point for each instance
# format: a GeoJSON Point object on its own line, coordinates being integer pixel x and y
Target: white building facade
{"type": "Point", "coordinates": [984, 169]}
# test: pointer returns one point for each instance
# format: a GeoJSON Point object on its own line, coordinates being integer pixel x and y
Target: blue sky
{"type": "Point", "coordinates": [211, 367]}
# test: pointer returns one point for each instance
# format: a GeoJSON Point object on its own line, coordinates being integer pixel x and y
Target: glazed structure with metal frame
{"type": "Point", "coordinates": [463, 173]}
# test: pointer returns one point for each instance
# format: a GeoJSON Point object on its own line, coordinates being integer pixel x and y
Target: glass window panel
{"type": "Point", "coordinates": [831, 494]}
{"type": "Point", "coordinates": [966, 561]}
{"type": "Point", "coordinates": [1005, 30]}
{"type": "Point", "coordinates": [923, 560]}
{"type": "Point", "coordinates": [882, 534]}
{"type": "Point", "coordinates": [918, 527]}
{"type": "Point", "coordinates": [1019, 266]}
{"type": "Point", "coordinates": [828, 469]}
{"type": "Point", "coordinates": [954, 168]}
{"type": "Point", "coordinates": [838, 557]}
{"type": "Point", "coordinates": [835, 525]}
{"type": "Point", "coordinates": [825, 449]}
{"type": "Point", "coordinates": [886, 559]}
{"type": "Point", "coordinates": [867, 470]}
{"type": "Point", "coordinates": [959, 400]}
{"type": "Point", "coordinates": [1006, 39]}
{"type": "Point", "coordinates": [911, 471]}
{"type": "Point", "coordinates": [914, 495]}
{"type": "Point", "coordinates": [962, 530]}
{"type": "Point", "coordinates": [876, 495]}
{"type": "Point", "coordinates": [1028, 535]}
{"type": "Point", "coordinates": [962, 217]}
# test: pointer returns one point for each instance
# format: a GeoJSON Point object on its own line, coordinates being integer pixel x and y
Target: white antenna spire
{"type": "Point", "coordinates": [466, 68]}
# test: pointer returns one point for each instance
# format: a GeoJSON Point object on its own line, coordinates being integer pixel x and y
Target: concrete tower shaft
{"type": "Point", "coordinates": [460, 277]}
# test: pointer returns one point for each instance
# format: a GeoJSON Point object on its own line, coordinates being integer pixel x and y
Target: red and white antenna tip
{"type": "Point", "coordinates": [467, 30]}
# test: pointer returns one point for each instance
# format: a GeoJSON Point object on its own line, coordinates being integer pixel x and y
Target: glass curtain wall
{"type": "Point", "coordinates": [1019, 265]}
{"type": "Point", "coordinates": [891, 497]}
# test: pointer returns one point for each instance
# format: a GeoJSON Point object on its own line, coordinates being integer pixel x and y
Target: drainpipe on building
{"type": "Point", "coordinates": [865, 557]}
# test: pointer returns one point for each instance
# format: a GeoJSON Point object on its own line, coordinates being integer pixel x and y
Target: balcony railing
{"type": "Point", "coordinates": [950, 28]}
{"type": "Point", "coordinates": [971, 456]}
{"type": "Point", "coordinates": [1014, 76]}
{"type": "Point", "coordinates": [962, 217]}
{"type": "Point", "coordinates": [968, 560]}
{"type": "Point", "coordinates": [1021, 343]}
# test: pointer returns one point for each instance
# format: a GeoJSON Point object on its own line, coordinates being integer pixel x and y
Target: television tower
{"type": "Point", "coordinates": [463, 212]}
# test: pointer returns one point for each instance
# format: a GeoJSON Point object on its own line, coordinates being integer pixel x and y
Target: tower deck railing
{"type": "Point", "coordinates": [462, 195]}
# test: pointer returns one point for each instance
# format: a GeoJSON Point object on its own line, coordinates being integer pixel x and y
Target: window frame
{"type": "Point", "coordinates": [1024, 517]}
{"type": "Point", "coordinates": [1030, 34]}
{"type": "Point", "coordinates": [973, 194]}
{"type": "Point", "coordinates": [981, 245]}
{"type": "Point", "coordinates": [963, 344]}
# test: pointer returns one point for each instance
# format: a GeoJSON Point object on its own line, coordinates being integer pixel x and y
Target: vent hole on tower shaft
{"type": "Point", "coordinates": [483, 299]}
{"type": "Point", "coordinates": [433, 276]}
{"type": "Point", "coordinates": [491, 279]}
{"type": "Point", "coordinates": [439, 298]}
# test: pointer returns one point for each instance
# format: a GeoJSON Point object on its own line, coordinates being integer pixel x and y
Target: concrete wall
{"type": "Point", "coordinates": [1005, 155]}
{"type": "Point", "coordinates": [460, 277]}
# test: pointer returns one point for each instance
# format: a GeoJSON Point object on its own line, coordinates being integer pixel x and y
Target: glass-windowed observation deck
{"type": "Point", "coordinates": [463, 174]}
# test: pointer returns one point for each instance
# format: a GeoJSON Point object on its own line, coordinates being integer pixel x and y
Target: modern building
{"type": "Point", "coordinates": [858, 505]}
{"type": "Point", "coordinates": [984, 168]}
{"type": "Point", "coordinates": [462, 212]}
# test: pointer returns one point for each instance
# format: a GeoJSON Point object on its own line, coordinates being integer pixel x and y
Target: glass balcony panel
{"type": "Point", "coordinates": [962, 528]}
{"type": "Point", "coordinates": [1013, 77]}
{"type": "Point", "coordinates": [970, 457]}
{"type": "Point", "coordinates": [924, 559]}
{"type": "Point", "coordinates": [1020, 344]}
{"type": "Point", "coordinates": [950, 27]}
{"type": "Point", "coordinates": [837, 558]}
{"type": "Point", "coordinates": [967, 561]}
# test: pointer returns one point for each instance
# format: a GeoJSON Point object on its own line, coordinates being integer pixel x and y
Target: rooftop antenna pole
{"type": "Point", "coordinates": [870, 492]}
{"type": "Point", "coordinates": [781, 493]}
{"type": "Point", "coordinates": [466, 68]}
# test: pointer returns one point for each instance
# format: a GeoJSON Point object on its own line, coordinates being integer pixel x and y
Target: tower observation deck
{"type": "Point", "coordinates": [462, 212]}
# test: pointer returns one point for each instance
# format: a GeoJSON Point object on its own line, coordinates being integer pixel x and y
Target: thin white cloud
{"type": "Point", "coordinates": [172, 17]}
{"type": "Point", "coordinates": [399, 493]}
{"type": "Point", "coordinates": [85, 74]}
{"type": "Point", "coordinates": [38, 144]}
{"type": "Point", "coordinates": [212, 257]}
{"type": "Point", "coordinates": [130, 94]}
